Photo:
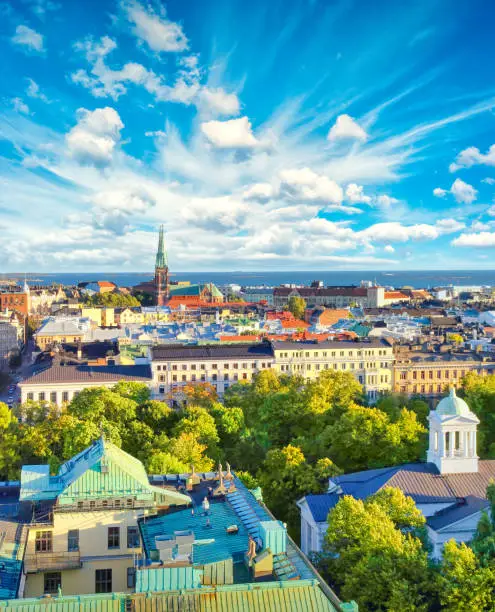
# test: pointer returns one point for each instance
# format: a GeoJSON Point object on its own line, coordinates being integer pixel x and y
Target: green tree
{"type": "Point", "coordinates": [479, 393]}
{"type": "Point", "coordinates": [297, 306]}
{"type": "Point", "coordinates": [189, 451]}
{"type": "Point", "coordinates": [137, 392]}
{"type": "Point", "coordinates": [198, 422]}
{"type": "Point", "coordinates": [371, 560]}
{"type": "Point", "coordinates": [10, 457]}
{"type": "Point", "coordinates": [284, 477]}
{"type": "Point", "coordinates": [465, 585]}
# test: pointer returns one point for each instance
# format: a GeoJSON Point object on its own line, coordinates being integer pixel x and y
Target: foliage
{"type": "Point", "coordinates": [248, 479]}
{"type": "Point", "coordinates": [297, 305]}
{"type": "Point", "coordinates": [455, 338]}
{"type": "Point", "coordinates": [111, 299]}
{"type": "Point", "coordinates": [15, 360]}
{"type": "Point", "coordinates": [144, 298]}
{"type": "Point", "coordinates": [479, 393]}
{"type": "Point", "coordinates": [371, 560]}
{"type": "Point", "coordinates": [464, 584]}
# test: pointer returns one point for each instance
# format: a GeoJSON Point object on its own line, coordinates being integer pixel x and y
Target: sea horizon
{"type": "Point", "coordinates": [413, 278]}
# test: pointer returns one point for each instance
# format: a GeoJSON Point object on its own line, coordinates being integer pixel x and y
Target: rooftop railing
{"type": "Point", "coordinates": [46, 561]}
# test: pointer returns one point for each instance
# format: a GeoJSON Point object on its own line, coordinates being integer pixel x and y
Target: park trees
{"type": "Point", "coordinates": [297, 306]}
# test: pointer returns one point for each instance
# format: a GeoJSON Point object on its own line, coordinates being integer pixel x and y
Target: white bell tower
{"type": "Point", "coordinates": [452, 446]}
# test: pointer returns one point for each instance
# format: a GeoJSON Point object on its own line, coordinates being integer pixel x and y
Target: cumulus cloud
{"type": "Point", "coordinates": [218, 101]}
{"type": "Point", "coordinates": [158, 32]}
{"type": "Point", "coordinates": [389, 248]}
{"type": "Point", "coordinates": [231, 134]}
{"type": "Point", "coordinates": [216, 214]}
{"type": "Point", "coordinates": [491, 211]}
{"type": "Point", "coordinates": [394, 231]}
{"type": "Point", "coordinates": [354, 194]}
{"type": "Point", "coordinates": [93, 140]}
{"type": "Point", "coordinates": [438, 192]}
{"type": "Point", "coordinates": [346, 128]}
{"type": "Point", "coordinates": [386, 201]}
{"type": "Point", "coordinates": [114, 209]}
{"type": "Point", "coordinates": [305, 184]}
{"type": "Point", "coordinates": [489, 181]}
{"type": "Point", "coordinates": [20, 106]}
{"type": "Point", "coordinates": [472, 156]}
{"type": "Point", "coordinates": [481, 240]}
{"type": "Point", "coordinates": [28, 38]}
{"type": "Point", "coordinates": [448, 226]}
{"type": "Point", "coordinates": [464, 193]}
{"type": "Point", "coordinates": [260, 191]}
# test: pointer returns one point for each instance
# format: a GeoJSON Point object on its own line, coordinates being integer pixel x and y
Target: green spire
{"type": "Point", "coordinates": [161, 255]}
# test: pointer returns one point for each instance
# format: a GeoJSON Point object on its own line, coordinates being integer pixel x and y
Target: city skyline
{"type": "Point", "coordinates": [295, 136]}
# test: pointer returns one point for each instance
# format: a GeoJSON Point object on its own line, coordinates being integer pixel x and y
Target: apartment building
{"type": "Point", "coordinates": [84, 535]}
{"type": "Point", "coordinates": [173, 367]}
{"type": "Point", "coordinates": [335, 297]}
{"type": "Point", "coordinates": [430, 374]}
{"type": "Point", "coordinates": [370, 362]}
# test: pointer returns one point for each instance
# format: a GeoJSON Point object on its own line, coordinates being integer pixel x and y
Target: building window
{"type": "Point", "coordinates": [30, 396]}
{"type": "Point", "coordinates": [193, 377]}
{"type": "Point", "coordinates": [161, 390]}
{"type": "Point", "coordinates": [162, 378]}
{"type": "Point", "coordinates": [214, 377]}
{"type": "Point", "coordinates": [113, 540]}
{"type": "Point", "coordinates": [184, 377]}
{"type": "Point", "coordinates": [214, 366]}
{"type": "Point", "coordinates": [41, 397]}
{"type": "Point", "coordinates": [65, 396]}
{"type": "Point", "coordinates": [225, 366]}
{"type": "Point", "coordinates": [53, 397]}
{"type": "Point", "coordinates": [226, 377]}
{"type": "Point", "coordinates": [92, 504]}
{"type": "Point", "coordinates": [131, 577]}
{"type": "Point", "coordinates": [174, 377]}
{"type": "Point", "coordinates": [159, 367]}
{"type": "Point", "coordinates": [132, 537]}
{"type": "Point", "coordinates": [43, 542]}
{"type": "Point", "coordinates": [203, 377]}
{"type": "Point", "coordinates": [103, 581]}
{"type": "Point", "coordinates": [193, 366]}
{"type": "Point", "coordinates": [73, 540]}
{"type": "Point", "coordinates": [184, 366]}
{"type": "Point", "coordinates": [52, 580]}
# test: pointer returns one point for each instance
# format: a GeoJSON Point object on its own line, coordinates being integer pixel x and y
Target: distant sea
{"type": "Point", "coordinates": [419, 279]}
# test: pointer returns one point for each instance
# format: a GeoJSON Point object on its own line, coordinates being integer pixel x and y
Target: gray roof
{"type": "Point", "coordinates": [89, 374]}
{"type": "Point", "coordinates": [260, 350]}
{"type": "Point", "coordinates": [460, 510]}
{"type": "Point", "coordinates": [422, 482]}
{"type": "Point", "coordinates": [328, 344]}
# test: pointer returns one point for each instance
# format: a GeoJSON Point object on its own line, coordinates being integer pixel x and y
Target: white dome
{"type": "Point", "coordinates": [453, 406]}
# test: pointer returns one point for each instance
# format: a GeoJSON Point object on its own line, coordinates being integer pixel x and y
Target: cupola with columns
{"type": "Point", "coordinates": [452, 445]}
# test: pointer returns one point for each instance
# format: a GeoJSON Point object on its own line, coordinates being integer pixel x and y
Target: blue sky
{"type": "Point", "coordinates": [263, 135]}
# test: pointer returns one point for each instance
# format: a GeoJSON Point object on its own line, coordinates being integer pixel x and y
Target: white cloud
{"type": "Point", "coordinates": [219, 102]}
{"type": "Point", "coordinates": [448, 226]}
{"type": "Point", "coordinates": [93, 140]}
{"type": "Point", "coordinates": [114, 209]}
{"type": "Point", "coordinates": [33, 91]}
{"type": "Point", "coordinates": [481, 240]}
{"type": "Point", "coordinates": [438, 192]}
{"type": "Point", "coordinates": [216, 214]}
{"type": "Point", "coordinates": [20, 106]}
{"type": "Point", "coordinates": [354, 194]}
{"type": "Point", "coordinates": [491, 211]}
{"type": "Point", "coordinates": [394, 231]}
{"type": "Point", "coordinates": [386, 201]}
{"type": "Point", "coordinates": [389, 248]}
{"type": "Point", "coordinates": [472, 156]}
{"type": "Point", "coordinates": [305, 184]}
{"type": "Point", "coordinates": [27, 37]}
{"type": "Point", "coordinates": [231, 134]}
{"type": "Point", "coordinates": [463, 192]}
{"type": "Point", "coordinates": [260, 191]}
{"type": "Point", "coordinates": [40, 7]}
{"type": "Point", "coordinates": [157, 31]}
{"type": "Point", "coordinates": [489, 181]}
{"type": "Point", "coordinates": [346, 128]}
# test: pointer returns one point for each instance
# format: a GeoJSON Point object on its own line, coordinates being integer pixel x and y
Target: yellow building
{"type": "Point", "coordinates": [61, 331]}
{"type": "Point", "coordinates": [370, 362]}
{"type": "Point", "coordinates": [92, 313]}
{"type": "Point", "coordinates": [423, 373]}
{"type": "Point", "coordinates": [85, 535]}
{"type": "Point", "coordinates": [129, 316]}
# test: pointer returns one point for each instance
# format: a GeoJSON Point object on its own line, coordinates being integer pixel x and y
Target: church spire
{"type": "Point", "coordinates": [161, 255]}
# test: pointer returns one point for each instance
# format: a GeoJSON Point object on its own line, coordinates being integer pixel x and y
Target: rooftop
{"type": "Point", "coordinates": [260, 350]}
{"type": "Point", "coordinates": [89, 374]}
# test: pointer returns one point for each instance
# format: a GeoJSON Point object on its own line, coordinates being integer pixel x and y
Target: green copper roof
{"type": "Point", "coordinates": [161, 255]}
{"type": "Point", "coordinates": [290, 596]}
{"type": "Point", "coordinates": [100, 471]}
{"type": "Point", "coordinates": [453, 406]}
{"type": "Point", "coordinates": [196, 290]}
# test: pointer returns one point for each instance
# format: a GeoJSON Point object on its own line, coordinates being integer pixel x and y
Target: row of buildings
{"type": "Point", "coordinates": [378, 365]}
{"type": "Point", "coordinates": [102, 535]}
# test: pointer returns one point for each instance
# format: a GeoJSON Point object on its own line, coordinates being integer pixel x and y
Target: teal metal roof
{"type": "Point", "coordinates": [453, 406]}
{"type": "Point", "coordinates": [195, 290]}
{"type": "Point", "coordinates": [100, 471]}
{"type": "Point", "coordinates": [220, 515]}
{"type": "Point", "coordinates": [167, 579]}
{"type": "Point", "coordinates": [293, 596]}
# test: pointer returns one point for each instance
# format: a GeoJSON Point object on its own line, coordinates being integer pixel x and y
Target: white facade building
{"type": "Point", "coordinates": [449, 489]}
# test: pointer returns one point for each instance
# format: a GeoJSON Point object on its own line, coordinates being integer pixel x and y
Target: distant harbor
{"type": "Point", "coordinates": [416, 279]}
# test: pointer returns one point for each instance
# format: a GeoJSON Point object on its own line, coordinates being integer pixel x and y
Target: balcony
{"type": "Point", "coordinates": [46, 561]}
